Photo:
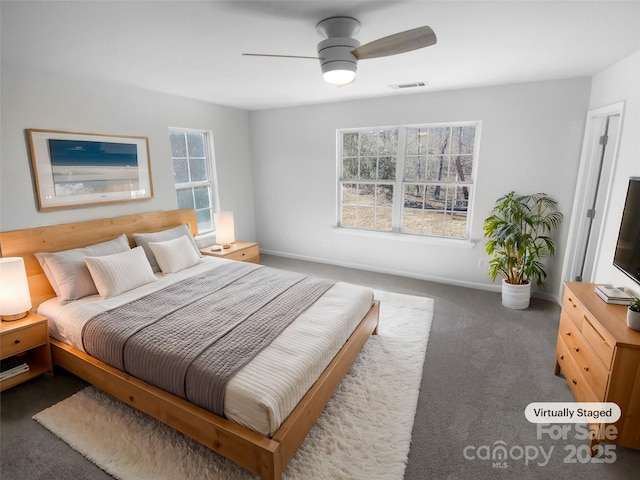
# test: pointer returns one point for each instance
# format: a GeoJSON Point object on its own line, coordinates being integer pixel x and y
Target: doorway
{"type": "Point", "coordinates": [599, 153]}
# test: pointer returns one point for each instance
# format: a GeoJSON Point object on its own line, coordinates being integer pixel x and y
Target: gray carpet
{"type": "Point", "coordinates": [484, 364]}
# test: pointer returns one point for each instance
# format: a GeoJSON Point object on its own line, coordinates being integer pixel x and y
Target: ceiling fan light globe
{"type": "Point", "coordinates": [337, 62]}
{"type": "Point", "coordinates": [339, 77]}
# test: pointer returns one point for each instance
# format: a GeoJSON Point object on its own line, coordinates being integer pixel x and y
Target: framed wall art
{"type": "Point", "coordinates": [78, 169]}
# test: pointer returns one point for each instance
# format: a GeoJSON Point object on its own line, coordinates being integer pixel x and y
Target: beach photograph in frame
{"type": "Point", "coordinates": [77, 169]}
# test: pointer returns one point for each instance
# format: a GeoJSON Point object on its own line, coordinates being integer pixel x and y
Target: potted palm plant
{"type": "Point", "coordinates": [518, 239]}
{"type": "Point", "coordinates": [633, 315]}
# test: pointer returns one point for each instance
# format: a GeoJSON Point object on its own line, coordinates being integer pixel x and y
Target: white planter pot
{"type": "Point", "coordinates": [633, 320]}
{"type": "Point", "coordinates": [516, 296]}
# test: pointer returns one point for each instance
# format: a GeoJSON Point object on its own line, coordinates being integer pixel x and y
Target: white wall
{"type": "Point", "coordinates": [531, 136]}
{"type": "Point", "coordinates": [620, 82]}
{"type": "Point", "coordinates": [530, 142]}
{"type": "Point", "coordinates": [32, 99]}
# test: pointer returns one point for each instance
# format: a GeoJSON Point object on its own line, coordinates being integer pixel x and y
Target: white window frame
{"type": "Point", "coordinates": [399, 182]}
{"type": "Point", "coordinates": [212, 181]}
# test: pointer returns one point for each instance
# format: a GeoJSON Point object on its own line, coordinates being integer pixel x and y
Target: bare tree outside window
{"type": "Point", "coordinates": [413, 179]}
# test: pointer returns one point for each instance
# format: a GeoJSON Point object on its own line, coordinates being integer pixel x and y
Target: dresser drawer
{"type": "Point", "coordinates": [245, 254]}
{"type": "Point", "coordinates": [23, 339]}
{"type": "Point", "coordinates": [592, 369]}
{"type": "Point", "coordinates": [572, 308]}
{"type": "Point", "coordinates": [577, 382]}
{"type": "Point", "coordinates": [597, 341]}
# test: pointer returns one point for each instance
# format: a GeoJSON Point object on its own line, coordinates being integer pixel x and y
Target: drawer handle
{"type": "Point", "coordinates": [561, 357]}
{"type": "Point", "coordinates": [586, 369]}
{"type": "Point", "coordinates": [568, 334]}
{"type": "Point", "coordinates": [573, 380]}
{"type": "Point", "coordinates": [16, 341]}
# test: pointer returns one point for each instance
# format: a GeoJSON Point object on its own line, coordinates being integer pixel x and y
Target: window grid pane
{"type": "Point", "coordinates": [198, 169]}
{"type": "Point", "coordinates": [185, 198]}
{"type": "Point", "coordinates": [366, 205]}
{"type": "Point", "coordinates": [180, 170]}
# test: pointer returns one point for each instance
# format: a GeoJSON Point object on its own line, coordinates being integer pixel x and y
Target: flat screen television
{"type": "Point", "coordinates": [627, 256]}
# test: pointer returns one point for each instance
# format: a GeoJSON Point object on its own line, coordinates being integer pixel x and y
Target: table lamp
{"type": "Point", "coordinates": [15, 299]}
{"type": "Point", "coordinates": [225, 232]}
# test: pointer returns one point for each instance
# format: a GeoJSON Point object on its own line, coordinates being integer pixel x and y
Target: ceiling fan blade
{"type": "Point", "coordinates": [280, 56]}
{"type": "Point", "coordinates": [398, 43]}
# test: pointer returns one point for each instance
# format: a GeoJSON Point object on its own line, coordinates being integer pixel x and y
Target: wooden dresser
{"type": "Point", "coordinates": [600, 357]}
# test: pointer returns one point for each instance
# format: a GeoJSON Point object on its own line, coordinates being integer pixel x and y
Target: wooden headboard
{"type": "Point", "coordinates": [54, 238]}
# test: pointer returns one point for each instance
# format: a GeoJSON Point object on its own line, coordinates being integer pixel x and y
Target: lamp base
{"type": "Point", "coordinates": [12, 318]}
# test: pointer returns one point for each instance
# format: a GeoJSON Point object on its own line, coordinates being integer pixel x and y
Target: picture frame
{"type": "Point", "coordinates": [73, 169]}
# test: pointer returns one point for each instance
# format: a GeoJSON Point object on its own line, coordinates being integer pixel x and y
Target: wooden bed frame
{"type": "Point", "coordinates": [266, 457]}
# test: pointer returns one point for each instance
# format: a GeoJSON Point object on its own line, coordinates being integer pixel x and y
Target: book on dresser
{"type": "Point", "coordinates": [12, 366]}
{"type": "Point", "coordinates": [613, 295]}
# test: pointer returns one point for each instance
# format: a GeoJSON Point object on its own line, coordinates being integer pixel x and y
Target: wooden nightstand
{"type": "Point", "coordinates": [27, 338]}
{"type": "Point", "coordinates": [243, 251]}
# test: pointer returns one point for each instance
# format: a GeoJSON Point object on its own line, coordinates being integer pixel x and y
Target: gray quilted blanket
{"type": "Point", "coordinates": [192, 337]}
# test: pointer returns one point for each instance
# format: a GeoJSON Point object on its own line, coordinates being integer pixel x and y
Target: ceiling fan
{"type": "Point", "coordinates": [339, 52]}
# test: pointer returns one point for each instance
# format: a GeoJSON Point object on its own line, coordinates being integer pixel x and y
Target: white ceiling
{"type": "Point", "coordinates": [193, 48]}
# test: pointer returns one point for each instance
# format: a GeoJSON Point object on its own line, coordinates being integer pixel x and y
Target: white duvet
{"type": "Point", "coordinates": [267, 389]}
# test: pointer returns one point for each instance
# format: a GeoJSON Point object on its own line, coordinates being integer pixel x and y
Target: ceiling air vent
{"type": "Point", "coordinates": [409, 85]}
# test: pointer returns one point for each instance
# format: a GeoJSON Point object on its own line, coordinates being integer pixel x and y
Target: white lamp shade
{"type": "Point", "coordinates": [225, 231]}
{"type": "Point", "coordinates": [15, 298]}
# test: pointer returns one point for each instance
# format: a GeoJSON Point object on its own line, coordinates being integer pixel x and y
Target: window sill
{"type": "Point", "coordinates": [405, 237]}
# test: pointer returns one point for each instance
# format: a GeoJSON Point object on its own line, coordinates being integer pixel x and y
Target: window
{"type": "Point", "coordinates": [409, 179]}
{"type": "Point", "coordinates": [192, 161]}
{"type": "Point", "coordinates": [369, 163]}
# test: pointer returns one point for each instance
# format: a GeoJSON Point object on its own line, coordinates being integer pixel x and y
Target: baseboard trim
{"type": "Point", "coordinates": [429, 278]}
{"type": "Point", "coordinates": [548, 296]}
{"type": "Point", "coordinates": [388, 271]}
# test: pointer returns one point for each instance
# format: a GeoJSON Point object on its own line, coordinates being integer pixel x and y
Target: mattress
{"type": "Point", "coordinates": [263, 393]}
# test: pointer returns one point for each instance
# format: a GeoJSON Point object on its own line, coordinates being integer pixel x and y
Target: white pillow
{"type": "Point", "coordinates": [67, 272]}
{"type": "Point", "coordinates": [143, 239]}
{"type": "Point", "coordinates": [120, 272]}
{"type": "Point", "coordinates": [174, 255]}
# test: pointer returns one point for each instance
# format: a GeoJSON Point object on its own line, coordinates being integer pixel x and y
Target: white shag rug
{"type": "Point", "coordinates": [363, 433]}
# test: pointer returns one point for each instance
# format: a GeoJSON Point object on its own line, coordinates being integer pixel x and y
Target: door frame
{"type": "Point", "coordinates": [587, 172]}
